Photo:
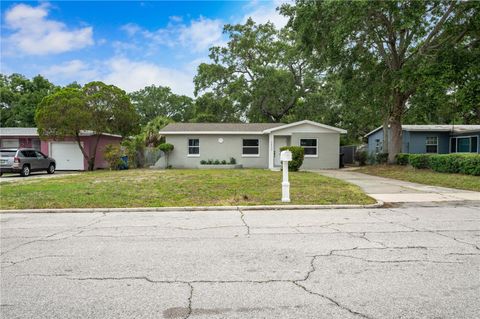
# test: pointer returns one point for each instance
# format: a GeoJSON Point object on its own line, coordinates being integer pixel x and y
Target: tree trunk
{"type": "Point", "coordinates": [395, 146]}
{"type": "Point", "coordinates": [386, 134]}
{"type": "Point", "coordinates": [91, 160]}
{"type": "Point", "coordinates": [85, 156]}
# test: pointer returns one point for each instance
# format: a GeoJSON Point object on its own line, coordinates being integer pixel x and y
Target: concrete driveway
{"type": "Point", "coordinates": [395, 191]}
{"type": "Point", "coordinates": [346, 263]}
{"type": "Point", "coordinates": [34, 175]}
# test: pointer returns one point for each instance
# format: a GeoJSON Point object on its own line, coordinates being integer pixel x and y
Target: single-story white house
{"type": "Point", "coordinates": [252, 145]}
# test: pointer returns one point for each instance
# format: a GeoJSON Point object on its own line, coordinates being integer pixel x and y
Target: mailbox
{"type": "Point", "coordinates": [286, 156]}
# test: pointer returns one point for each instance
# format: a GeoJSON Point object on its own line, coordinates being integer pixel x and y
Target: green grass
{"type": "Point", "coordinates": [160, 188]}
{"type": "Point", "coordinates": [424, 176]}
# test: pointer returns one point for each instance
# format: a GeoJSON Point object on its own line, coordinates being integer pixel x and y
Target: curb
{"type": "Point", "coordinates": [378, 204]}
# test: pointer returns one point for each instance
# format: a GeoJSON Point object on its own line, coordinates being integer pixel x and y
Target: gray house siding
{"type": "Point", "coordinates": [328, 150]}
{"type": "Point", "coordinates": [211, 148]}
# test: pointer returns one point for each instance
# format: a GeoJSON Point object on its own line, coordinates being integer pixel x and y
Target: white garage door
{"type": "Point", "coordinates": [67, 155]}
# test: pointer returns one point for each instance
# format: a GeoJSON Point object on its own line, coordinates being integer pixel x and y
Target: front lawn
{"type": "Point", "coordinates": [157, 188]}
{"type": "Point", "coordinates": [424, 176]}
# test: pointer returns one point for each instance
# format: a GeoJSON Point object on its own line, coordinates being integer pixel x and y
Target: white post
{"type": "Point", "coordinates": [285, 157]}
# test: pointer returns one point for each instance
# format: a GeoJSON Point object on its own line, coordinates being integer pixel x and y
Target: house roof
{"type": "Point", "coordinates": [234, 128]}
{"type": "Point", "coordinates": [206, 128]}
{"type": "Point", "coordinates": [32, 131]}
{"type": "Point", "coordinates": [461, 128]}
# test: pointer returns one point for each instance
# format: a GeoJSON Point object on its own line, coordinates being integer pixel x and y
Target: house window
{"type": "Point", "coordinates": [193, 147]}
{"type": "Point", "coordinates": [467, 144]}
{"type": "Point", "coordinates": [310, 146]}
{"type": "Point", "coordinates": [250, 147]}
{"type": "Point", "coordinates": [378, 146]}
{"type": "Point", "coordinates": [431, 144]}
{"type": "Point", "coordinates": [10, 143]}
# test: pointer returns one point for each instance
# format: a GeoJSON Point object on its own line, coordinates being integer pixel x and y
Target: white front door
{"type": "Point", "coordinates": [67, 155]}
{"type": "Point", "coordinates": [278, 142]}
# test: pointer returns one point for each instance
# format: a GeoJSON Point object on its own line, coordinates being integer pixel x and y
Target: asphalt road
{"type": "Point", "coordinates": [410, 262]}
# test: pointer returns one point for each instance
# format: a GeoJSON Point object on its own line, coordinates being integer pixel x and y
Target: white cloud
{"type": "Point", "coordinates": [201, 34]}
{"type": "Point", "coordinates": [35, 34]}
{"type": "Point", "coordinates": [74, 70]}
{"type": "Point", "coordinates": [266, 12]}
{"type": "Point", "coordinates": [134, 75]}
{"type": "Point", "coordinates": [197, 35]}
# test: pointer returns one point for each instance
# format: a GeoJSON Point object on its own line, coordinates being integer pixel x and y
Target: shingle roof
{"type": "Point", "coordinates": [460, 128]}
{"type": "Point", "coordinates": [219, 127]}
{"type": "Point", "coordinates": [18, 131]}
{"type": "Point", "coordinates": [32, 131]}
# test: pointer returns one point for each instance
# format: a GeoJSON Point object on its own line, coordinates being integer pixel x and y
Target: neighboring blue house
{"type": "Point", "coordinates": [435, 139]}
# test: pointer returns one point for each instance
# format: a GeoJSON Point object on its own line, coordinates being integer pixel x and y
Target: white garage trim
{"type": "Point", "coordinates": [67, 155]}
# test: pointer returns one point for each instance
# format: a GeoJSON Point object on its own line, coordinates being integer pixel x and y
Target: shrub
{"type": "Point", "coordinates": [113, 155]}
{"type": "Point", "coordinates": [402, 159]}
{"type": "Point", "coordinates": [210, 162]}
{"type": "Point", "coordinates": [203, 162]}
{"type": "Point", "coordinates": [233, 161]}
{"type": "Point", "coordinates": [217, 162]}
{"type": "Point", "coordinates": [448, 163]}
{"type": "Point", "coordinates": [381, 158]}
{"type": "Point", "coordinates": [361, 157]}
{"type": "Point", "coordinates": [224, 162]}
{"type": "Point", "coordinates": [470, 164]}
{"type": "Point", "coordinates": [298, 154]}
{"type": "Point", "coordinates": [419, 160]}
{"type": "Point", "coordinates": [167, 148]}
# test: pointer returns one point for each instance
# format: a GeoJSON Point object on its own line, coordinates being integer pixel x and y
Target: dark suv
{"type": "Point", "coordinates": [25, 161]}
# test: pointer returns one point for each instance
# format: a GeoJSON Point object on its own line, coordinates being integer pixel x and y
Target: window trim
{"type": "Point", "coordinates": [258, 147]}
{"type": "Point", "coordinates": [456, 144]}
{"type": "Point", "coordinates": [316, 146]}
{"type": "Point", "coordinates": [188, 147]}
{"type": "Point", "coordinates": [426, 139]}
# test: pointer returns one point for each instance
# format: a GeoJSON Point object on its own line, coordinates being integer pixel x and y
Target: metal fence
{"type": "Point", "coordinates": [151, 156]}
{"type": "Point", "coordinates": [348, 153]}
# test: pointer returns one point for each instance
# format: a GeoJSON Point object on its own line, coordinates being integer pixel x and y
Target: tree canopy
{"type": "Point", "coordinates": [96, 107]}
{"type": "Point", "coordinates": [399, 39]}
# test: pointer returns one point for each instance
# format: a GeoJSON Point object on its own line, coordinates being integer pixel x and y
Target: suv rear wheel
{"type": "Point", "coordinates": [25, 171]}
{"type": "Point", "coordinates": [51, 169]}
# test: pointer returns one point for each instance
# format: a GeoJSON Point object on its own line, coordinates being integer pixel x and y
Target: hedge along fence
{"type": "Point", "coordinates": [444, 163]}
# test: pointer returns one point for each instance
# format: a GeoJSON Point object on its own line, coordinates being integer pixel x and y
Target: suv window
{"type": "Point", "coordinates": [7, 153]}
{"type": "Point", "coordinates": [40, 154]}
{"type": "Point", "coordinates": [28, 153]}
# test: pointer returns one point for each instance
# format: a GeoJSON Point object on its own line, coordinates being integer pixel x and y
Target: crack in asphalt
{"type": "Point", "coordinates": [45, 238]}
{"type": "Point", "coordinates": [242, 217]}
{"type": "Point", "coordinates": [189, 305]}
{"type": "Point", "coordinates": [13, 263]}
{"type": "Point", "coordinates": [338, 304]}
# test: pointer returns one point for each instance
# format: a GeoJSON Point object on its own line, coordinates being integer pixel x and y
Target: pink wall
{"type": "Point", "coordinates": [88, 144]}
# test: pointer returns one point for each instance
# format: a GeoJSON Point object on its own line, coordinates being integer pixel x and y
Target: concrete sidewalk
{"type": "Point", "coordinates": [395, 191]}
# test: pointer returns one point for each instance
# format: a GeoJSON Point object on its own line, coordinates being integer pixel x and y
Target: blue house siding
{"type": "Point", "coordinates": [414, 142]}
{"type": "Point", "coordinates": [417, 142]}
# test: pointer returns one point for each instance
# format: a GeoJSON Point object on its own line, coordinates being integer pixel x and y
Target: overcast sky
{"type": "Point", "coordinates": [128, 44]}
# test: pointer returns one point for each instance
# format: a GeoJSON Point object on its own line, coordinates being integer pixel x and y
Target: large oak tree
{"type": "Point", "coordinates": [401, 37]}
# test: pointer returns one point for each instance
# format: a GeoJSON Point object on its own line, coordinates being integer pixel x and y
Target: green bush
{"type": "Point", "coordinates": [361, 157]}
{"type": "Point", "coordinates": [203, 162]}
{"type": "Point", "coordinates": [233, 161]}
{"type": "Point", "coordinates": [402, 159]}
{"type": "Point", "coordinates": [419, 160]}
{"type": "Point", "coordinates": [112, 154]}
{"type": "Point", "coordinates": [470, 164]}
{"type": "Point", "coordinates": [381, 158]}
{"type": "Point", "coordinates": [167, 148]}
{"type": "Point", "coordinates": [445, 163]}
{"type": "Point", "coordinates": [298, 154]}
